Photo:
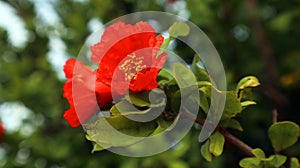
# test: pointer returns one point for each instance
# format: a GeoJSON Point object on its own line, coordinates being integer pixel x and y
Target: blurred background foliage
{"type": "Point", "coordinates": [252, 38]}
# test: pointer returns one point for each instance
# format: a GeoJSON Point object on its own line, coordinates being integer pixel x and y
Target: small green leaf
{"type": "Point", "coordinates": [179, 29]}
{"type": "Point", "coordinates": [108, 131]}
{"type": "Point", "coordinates": [139, 99]}
{"type": "Point", "coordinates": [205, 151]}
{"type": "Point", "coordinates": [244, 86]}
{"type": "Point", "coordinates": [231, 123]}
{"type": "Point", "coordinates": [200, 73]}
{"type": "Point", "coordinates": [279, 160]}
{"type": "Point", "coordinates": [183, 75]}
{"type": "Point", "coordinates": [164, 77]}
{"type": "Point", "coordinates": [144, 103]}
{"type": "Point", "coordinates": [274, 161]}
{"type": "Point", "coordinates": [175, 101]}
{"type": "Point", "coordinates": [245, 104]}
{"type": "Point", "coordinates": [216, 144]}
{"type": "Point", "coordinates": [232, 106]}
{"type": "Point", "coordinates": [97, 148]}
{"type": "Point", "coordinates": [295, 163]}
{"type": "Point", "coordinates": [259, 153]}
{"type": "Point", "coordinates": [250, 162]}
{"type": "Point", "coordinates": [204, 93]}
{"type": "Point", "coordinates": [247, 82]}
{"type": "Point", "coordinates": [283, 134]}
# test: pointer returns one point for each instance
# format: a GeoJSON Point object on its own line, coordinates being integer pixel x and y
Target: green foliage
{"type": "Point", "coordinates": [105, 131]}
{"type": "Point", "coordinates": [231, 123]}
{"type": "Point", "coordinates": [213, 146]}
{"type": "Point", "coordinates": [283, 134]}
{"type": "Point", "coordinates": [26, 76]}
{"type": "Point", "coordinates": [179, 29]}
{"type": "Point", "coordinates": [206, 152]}
{"type": "Point", "coordinates": [216, 143]}
{"type": "Point", "coordinates": [294, 163]}
{"type": "Point", "coordinates": [260, 160]}
{"type": "Point", "coordinates": [244, 85]}
{"type": "Point", "coordinates": [200, 74]}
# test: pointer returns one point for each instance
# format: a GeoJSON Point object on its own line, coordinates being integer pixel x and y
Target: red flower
{"type": "Point", "coordinates": [1, 131]}
{"type": "Point", "coordinates": [126, 54]}
{"type": "Point", "coordinates": [127, 58]}
{"type": "Point", "coordinates": [83, 94]}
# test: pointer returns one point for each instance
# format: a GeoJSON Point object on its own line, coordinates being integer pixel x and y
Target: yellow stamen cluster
{"type": "Point", "coordinates": [131, 66]}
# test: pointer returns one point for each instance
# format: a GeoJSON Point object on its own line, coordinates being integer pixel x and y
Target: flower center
{"type": "Point", "coordinates": [132, 66]}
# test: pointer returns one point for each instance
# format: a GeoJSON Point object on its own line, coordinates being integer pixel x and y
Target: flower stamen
{"type": "Point", "coordinates": [132, 66]}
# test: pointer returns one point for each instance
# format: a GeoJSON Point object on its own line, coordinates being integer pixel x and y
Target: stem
{"type": "Point", "coordinates": [275, 114]}
{"type": "Point", "coordinates": [230, 138]}
{"type": "Point", "coordinates": [164, 46]}
{"type": "Point", "coordinates": [237, 142]}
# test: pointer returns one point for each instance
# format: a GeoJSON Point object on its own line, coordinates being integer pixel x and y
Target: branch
{"type": "Point", "coordinates": [229, 137]}
{"type": "Point", "coordinates": [237, 142]}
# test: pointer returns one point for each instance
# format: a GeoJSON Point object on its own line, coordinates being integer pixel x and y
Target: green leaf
{"type": "Point", "coordinates": [295, 163]}
{"type": "Point", "coordinates": [205, 151]}
{"type": "Point", "coordinates": [250, 162]}
{"type": "Point", "coordinates": [183, 75]}
{"type": "Point", "coordinates": [245, 104]}
{"type": "Point", "coordinates": [139, 99]}
{"type": "Point", "coordinates": [97, 148]}
{"type": "Point", "coordinates": [259, 153]}
{"type": "Point", "coordinates": [179, 29]}
{"type": "Point", "coordinates": [164, 77]}
{"type": "Point", "coordinates": [204, 93]}
{"type": "Point", "coordinates": [279, 160]}
{"type": "Point", "coordinates": [232, 106]}
{"type": "Point", "coordinates": [244, 86]}
{"type": "Point", "coordinates": [283, 134]}
{"type": "Point", "coordinates": [216, 144]}
{"type": "Point", "coordinates": [107, 131]}
{"type": "Point", "coordinates": [144, 103]}
{"type": "Point", "coordinates": [231, 123]}
{"type": "Point", "coordinates": [274, 161]}
{"type": "Point", "coordinates": [201, 74]}
{"type": "Point", "coordinates": [175, 101]}
{"type": "Point", "coordinates": [247, 82]}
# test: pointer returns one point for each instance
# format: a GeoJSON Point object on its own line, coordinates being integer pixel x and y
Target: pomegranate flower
{"type": "Point", "coordinates": [1, 131]}
{"type": "Point", "coordinates": [127, 58]}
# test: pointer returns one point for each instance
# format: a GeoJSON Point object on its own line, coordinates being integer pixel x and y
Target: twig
{"type": "Point", "coordinates": [275, 114]}
{"type": "Point", "coordinates": [237, 142]}
{"type": "Point", "coordinates": [230, 138]}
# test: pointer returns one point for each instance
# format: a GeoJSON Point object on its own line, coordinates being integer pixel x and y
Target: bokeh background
{"type": "Point", "coordinates": [37, 36]}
